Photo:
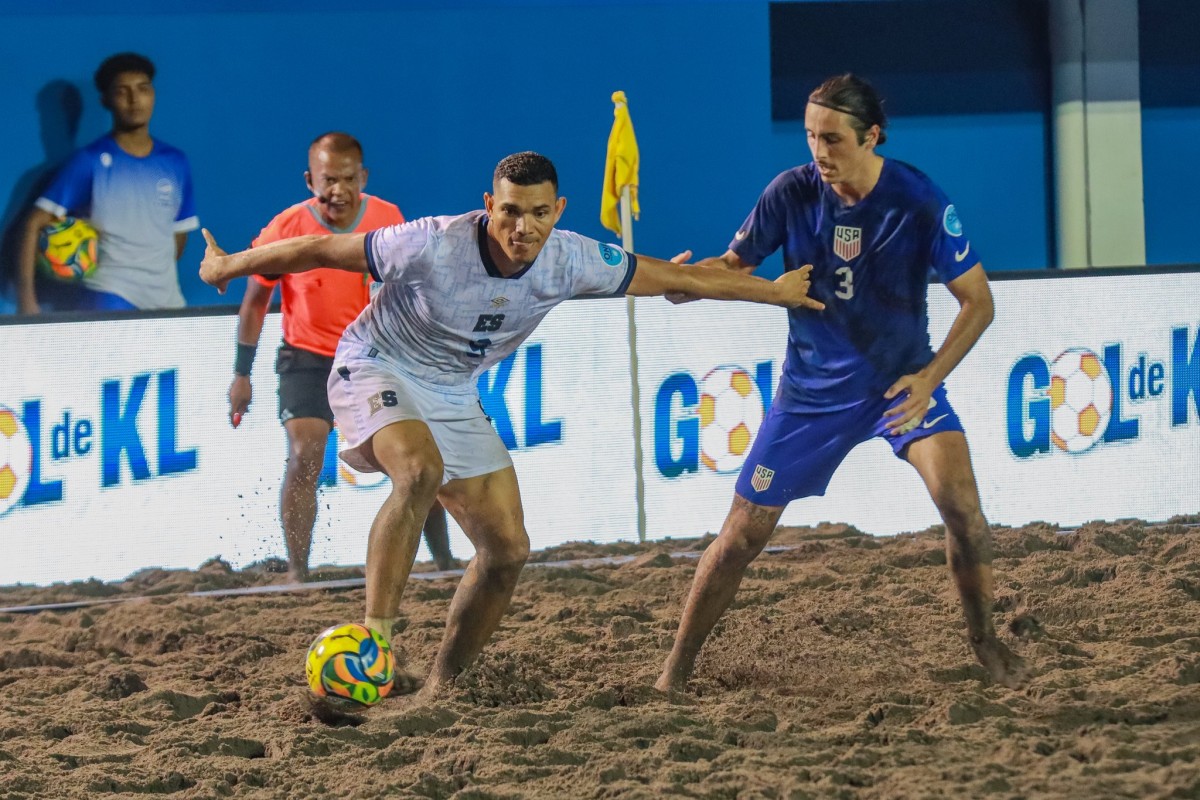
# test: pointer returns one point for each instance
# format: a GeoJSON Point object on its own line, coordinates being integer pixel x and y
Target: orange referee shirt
{"type": "Point", "coordinates": [320, 303]}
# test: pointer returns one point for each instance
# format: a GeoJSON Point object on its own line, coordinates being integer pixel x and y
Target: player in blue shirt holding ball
{"type": "Point", "coordinates": [872, 229]}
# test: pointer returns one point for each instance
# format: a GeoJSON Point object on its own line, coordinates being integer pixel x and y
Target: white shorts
{"type": "Point", "coordinates": [367, 394]}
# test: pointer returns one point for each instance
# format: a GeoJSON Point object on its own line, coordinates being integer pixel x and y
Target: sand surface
{"type": "Point", "coordinates": [841, 671]}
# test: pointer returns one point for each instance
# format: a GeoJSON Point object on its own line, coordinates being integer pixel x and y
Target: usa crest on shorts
{"type": "Point", "coordinates": [761, 479]}
{"type": "Point", "coordinates": [847, 242]}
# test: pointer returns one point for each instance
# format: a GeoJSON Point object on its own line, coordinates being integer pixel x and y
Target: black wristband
{"type": "Point", "coordinates": [244, 361]}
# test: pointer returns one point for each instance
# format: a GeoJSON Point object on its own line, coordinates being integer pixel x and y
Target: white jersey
{"type": "Point", "coordinates": [445, 313]}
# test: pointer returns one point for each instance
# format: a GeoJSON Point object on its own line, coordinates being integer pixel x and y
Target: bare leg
{"type": "Point", "coordinates": [718, 576]}
{"type": "Point", "coordinates": [437, 538]}
{"type": "Point", "coordinates": [407, 453]}
{"type": "Point", "coordinates": [298, 495]}
{"type": "Point", "coordinates": [489, 509]}
{"type": "Point", "coordinates": [945, 465]}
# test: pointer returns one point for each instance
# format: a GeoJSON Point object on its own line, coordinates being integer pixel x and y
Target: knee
{"type": "Point", "coordinates": [746, 531]}
{"type": "Point", "coordinates": [958, 504]}
{"type": "Point", "coordinates": [417, 478]}
{"type": "Point", "coordinates": [737, 547]}
{"type": "Point", "coordinates": [305, 460]}
{"type": "Point", "coordinates": [415, 472]}
{"type": "Point", "coordinates": [505, 551]}
{"type": "Point", "coordinates": [964, 520]}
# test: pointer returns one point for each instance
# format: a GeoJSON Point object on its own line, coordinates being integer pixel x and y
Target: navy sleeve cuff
{"type": "Point", "coordinates": [371, 266]}
{"type": "Point", "coordinates": [628, 275]}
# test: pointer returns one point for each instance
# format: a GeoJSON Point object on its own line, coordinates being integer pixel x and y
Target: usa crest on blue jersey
{"type": "Point", "coordinates": [761, 479]}
{"type": "Point", "coordinates": [847, 242]}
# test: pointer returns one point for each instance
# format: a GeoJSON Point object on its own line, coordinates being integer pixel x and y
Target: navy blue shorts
{"type": "Point", "coordinates": [93, 300]}
{"type": "Point", "coordinates": [795, 454]}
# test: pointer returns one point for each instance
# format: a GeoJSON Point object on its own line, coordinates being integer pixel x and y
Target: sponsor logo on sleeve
{"type": "Point", "coordinates": [951, 222]}
{"type": "Point", "coordinates": [611, 254]}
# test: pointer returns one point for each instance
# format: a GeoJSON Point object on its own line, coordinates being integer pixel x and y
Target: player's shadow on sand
{"type": "Point", "coordinates": [60, 108]}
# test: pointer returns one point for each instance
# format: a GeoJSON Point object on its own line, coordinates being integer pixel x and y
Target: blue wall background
{"type": "Point", "coordinates": [438, 92]}
{"type": "Point", "coordinates": [1170, 73]}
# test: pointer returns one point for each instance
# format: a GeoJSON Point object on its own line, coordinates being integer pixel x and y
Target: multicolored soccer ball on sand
{"type": "Point", "coordinates": [350, 661]}
{"type": "Point", "coordinates": [16, 459]}
{"type": "Point", "coordinates": [67, 250]}
{"type": "Point", "coordinates": [1081, 400]}
{"type": "Point", "coordinates": [731, 410]}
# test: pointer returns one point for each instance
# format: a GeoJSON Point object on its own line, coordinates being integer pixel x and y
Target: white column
{"type": "Point", "coordinates": [1097, 133]}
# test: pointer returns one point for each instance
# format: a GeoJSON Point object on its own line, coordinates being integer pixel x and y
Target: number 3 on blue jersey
{"type": "Point", "coordinates": [845, 289]}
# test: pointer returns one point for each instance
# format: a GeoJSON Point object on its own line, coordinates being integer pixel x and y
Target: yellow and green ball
{"type": "Point", "coordinates": [350, 661]}
{"type": "Point", "coordinates": [67, 250]}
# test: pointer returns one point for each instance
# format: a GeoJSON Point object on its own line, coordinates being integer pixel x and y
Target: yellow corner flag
{"type": "Point", "coordinates": [620, 166]}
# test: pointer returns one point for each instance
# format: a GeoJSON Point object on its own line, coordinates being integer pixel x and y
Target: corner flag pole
{"type": "Point", "coordinates": [631, 314]}
{"type": "Point", "coordinates": [618, 207]}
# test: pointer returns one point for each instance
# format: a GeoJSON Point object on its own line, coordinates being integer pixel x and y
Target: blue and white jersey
{"type": "Point", "coordinates": [137, 204]}
{"type": "Point", "coordinates": [871, 267]}
{"type": "Point", "coordinates": [445, 313]}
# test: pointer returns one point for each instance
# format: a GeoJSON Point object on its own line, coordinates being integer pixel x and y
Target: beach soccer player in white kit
{"type": "Point", "coordinates": [460, 293]}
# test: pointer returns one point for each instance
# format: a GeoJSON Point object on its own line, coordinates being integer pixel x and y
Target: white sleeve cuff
{"type": "Point", "coordinates": [51, 207]}
{"type": "Point", "coordinates": [185, 225]}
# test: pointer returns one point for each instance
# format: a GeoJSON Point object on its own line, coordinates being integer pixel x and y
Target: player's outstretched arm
{"type": "Point", "coordinates": [699, 281]}
{"type": "Point", "coordinates": [729, 260]}
{"type": "Point", "coordinates": [337, 251]}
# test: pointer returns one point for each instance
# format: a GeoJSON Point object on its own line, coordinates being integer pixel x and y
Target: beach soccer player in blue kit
{"type": "Point", "coordinates": [872, 229]}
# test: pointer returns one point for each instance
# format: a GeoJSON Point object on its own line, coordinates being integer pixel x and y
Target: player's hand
{"type": "Point", "coordinates": [680, 297]}
{"type": "Point", "coordinates": [211, 264]}
{"type": "Point", "coordinates": [795, 285]}
{"type": "Point", "coordinates": [240, 395]}
{"type": "Point", "coordinates": [907, 414]}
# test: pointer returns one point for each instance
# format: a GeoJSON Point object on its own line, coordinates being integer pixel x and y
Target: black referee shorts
{"type": "Point", "coordinates": [303, 376]}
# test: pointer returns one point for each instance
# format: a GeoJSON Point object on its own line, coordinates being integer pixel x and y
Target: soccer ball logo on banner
{"type": "Point", "coordinates": [16, 459]}
{"type": "Point", "coordinates": [1081, 400]}
{"type": "Point", "coordinates": [731, 412]}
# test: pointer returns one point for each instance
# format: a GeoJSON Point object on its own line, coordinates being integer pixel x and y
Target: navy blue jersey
{"type": "Point", "coordinates": [871, 266]}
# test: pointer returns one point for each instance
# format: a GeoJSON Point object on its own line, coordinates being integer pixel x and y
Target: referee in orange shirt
{"type": "Point", "coordinates": [317, 307]}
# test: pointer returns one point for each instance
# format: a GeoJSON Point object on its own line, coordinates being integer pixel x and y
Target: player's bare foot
{"type": "Point", "coordinates": [663, 685]}
{"type": "Point", "coordinates": [405, 683]}
{"type": "Point", "coordinates": [1003, 665]}
{"type": "Point", "coordinates": [669, 682]}
{"type": "Point", "coordinates": [434, 686]}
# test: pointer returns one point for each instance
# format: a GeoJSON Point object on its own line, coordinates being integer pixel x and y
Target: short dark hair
{"type": "Point", "coordinates": [852, 95]}
{"type": "Point", "coordinates": [113, 66]}
{"type": "Point", "coordinates": [526, 169]}
{"type": "Point", "coordinates": [338, 142]}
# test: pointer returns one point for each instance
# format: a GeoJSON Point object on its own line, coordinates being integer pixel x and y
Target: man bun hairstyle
{"type": "Point", "coordinates": [852, 95]}
{"type": "Point", "coordinates": [526, 169]}
{"type": "Point", "coordinates": [114, 65]}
